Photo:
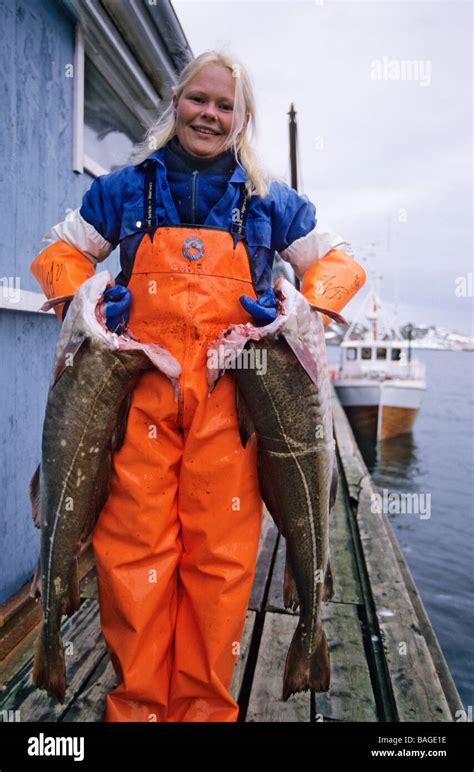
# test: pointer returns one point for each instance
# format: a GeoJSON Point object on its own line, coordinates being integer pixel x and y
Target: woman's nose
{"type": "Point", "coordinates": [209, 111]}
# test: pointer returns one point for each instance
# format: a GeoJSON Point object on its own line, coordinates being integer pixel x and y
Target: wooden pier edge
{"type": "Point", "coordinates": [432, 695]}
{"type": "Point", "coordinates": [386, 662]}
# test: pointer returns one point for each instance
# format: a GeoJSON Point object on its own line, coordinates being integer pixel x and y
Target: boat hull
{"type": "Point", "coordinates": [382, 409]}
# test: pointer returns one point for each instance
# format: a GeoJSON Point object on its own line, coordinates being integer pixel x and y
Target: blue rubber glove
{"type": "Point", "coordinates": [264, 309]}
{"type": "Point", "coordinates": [117, 301]}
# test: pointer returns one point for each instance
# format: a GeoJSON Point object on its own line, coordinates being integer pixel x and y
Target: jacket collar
{"type": "Point", "coordinates": [238, 175]}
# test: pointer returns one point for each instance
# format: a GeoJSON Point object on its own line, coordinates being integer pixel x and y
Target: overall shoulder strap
{"type": "Point", "coordinates": [149, 195]}
{"type": "Point", "coordinates": [239, 216]}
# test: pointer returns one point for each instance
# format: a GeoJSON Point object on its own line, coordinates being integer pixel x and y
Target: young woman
{"type": "Point", "coordinates": [198, 222]}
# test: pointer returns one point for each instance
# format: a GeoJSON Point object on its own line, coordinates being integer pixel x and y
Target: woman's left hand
{"type": "Point", "coordinates": [264, 309]}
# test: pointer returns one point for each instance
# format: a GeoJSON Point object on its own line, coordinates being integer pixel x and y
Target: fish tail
{"type": "Point", "coordinates": [303, 671]}
{"type": "Point", "coordinates": [320, 666]}
{"type": "Point", "coordinates": [49, 670]}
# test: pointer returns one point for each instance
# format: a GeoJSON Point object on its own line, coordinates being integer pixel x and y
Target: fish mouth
{"type": "Point", "coordinates": [100, 317]}
{"type": "Point", "coordinates": [100, 308]}
{"type": "Point", "coordinates": [280, 298]}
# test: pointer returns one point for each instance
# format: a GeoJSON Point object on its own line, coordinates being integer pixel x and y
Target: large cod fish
{"type": "Point", "coordinates": [93, 376]}
{"type": "Point", "coordinates": [283, 393]}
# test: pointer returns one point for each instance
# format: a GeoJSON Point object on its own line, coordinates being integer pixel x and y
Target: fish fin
{"type": "Point", "coordinates": [34, 491]}
{"type": "Point", "coordinates": [55, 302]}
{"type": "Point", "coordinates": [65, 357]}
{"type": "Point", "coordinates": [84, 544]}
{"type": "Point", "coordinates": [328, 586]}
{"type": "Point", "coordinates": [49, 669]}
{"type": "Point", "coordinates": [35, 588]}
{"type": "Point", "coordinates": [334, 484]}
{"type": "Point", "coordinates": [304, 672]}
{"type": "Point", "coordinates": [246, 425]}
{"type": "Point", "coordinates": [72, 598]}
{"type": "Point", "coordinates": [290, 592]}
{"type": "Point", "coordinates": [118, 435]}
{"type": "Point", "coordinates": [333, 314]}
{"type": "Point", "coordinates": [303, 355]}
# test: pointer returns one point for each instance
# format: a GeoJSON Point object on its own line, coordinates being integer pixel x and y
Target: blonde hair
{"type": "Point", "coordinates": [239, 139]}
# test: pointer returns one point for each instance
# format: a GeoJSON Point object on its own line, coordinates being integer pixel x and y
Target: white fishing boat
{"type": "Point", "coordinates": [379, 383]}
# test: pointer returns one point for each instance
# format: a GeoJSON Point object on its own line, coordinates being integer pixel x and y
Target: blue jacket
{"type": "Point", "coordinates": [196, 184]}
{"type": "Point", "coordinates": [112, 214]}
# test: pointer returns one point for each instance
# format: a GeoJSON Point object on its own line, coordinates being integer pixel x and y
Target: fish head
{"type": "Point", "coordinates": [85, 320]}
{"type": "Point", "coordinates": [297, 320]}
{"type": "Point", "coordinates": [86, 314]}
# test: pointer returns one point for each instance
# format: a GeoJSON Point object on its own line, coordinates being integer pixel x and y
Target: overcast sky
{"type": "Point", "coordinates": [385, 147]}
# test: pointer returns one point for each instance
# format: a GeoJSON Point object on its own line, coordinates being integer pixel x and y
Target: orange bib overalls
{"type": "Point", "coordinates": [176, 542]}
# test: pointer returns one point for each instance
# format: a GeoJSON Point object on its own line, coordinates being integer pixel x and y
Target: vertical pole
{"type": "Point", "coordinates": [293, 163]}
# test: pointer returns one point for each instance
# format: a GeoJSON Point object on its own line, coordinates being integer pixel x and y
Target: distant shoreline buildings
{"type": "Point", "coordinates": [423, 336]}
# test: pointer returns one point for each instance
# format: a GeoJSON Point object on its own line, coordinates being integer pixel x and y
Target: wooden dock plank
{"type": "Point", "coordinates": [417, 689]}
{"type": "Point", "coordinates": [20, 621]}
{"type": "Point", "coordinates": [266, 549]}
{"type": "Point", "coordinates": [241, 663]}
{"type": "Point", "coordinates": [343, 564]}
{"type": "Point", "coordinates": [398, 624]}
{"type": "Point", "coordinates": [265, 703]}
{"type": "Point", "coordinates": [385, 658]}
{"type": "Point", "coordinates": [350, 674]}
{"type": "Point", "coordinates": [354, 471]}
{"type": "Point", "coordinates": [89, 705]}
{"type": "Point", "coordinates": [450, 691]}
{"type": "Point", "coordinates": [350, 696]}
{"type": "Point", "coordinates": [82, 637]}
{"type": "Point", "coordinates": [275, 592]}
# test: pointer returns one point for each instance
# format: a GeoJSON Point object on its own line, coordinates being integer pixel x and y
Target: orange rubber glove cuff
{"type": "Point", "coordinates": [332, 281]}
{"type": "Point", "coordinates": [60, 269]}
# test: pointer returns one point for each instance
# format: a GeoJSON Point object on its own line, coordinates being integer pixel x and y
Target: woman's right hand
{"type": "Point", "coordinates": [117, 301]}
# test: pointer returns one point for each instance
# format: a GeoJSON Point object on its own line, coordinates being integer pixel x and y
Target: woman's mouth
{"type": "Point", "coordinates": [205, 132]}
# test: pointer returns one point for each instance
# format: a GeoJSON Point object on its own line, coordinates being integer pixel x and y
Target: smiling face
{"type": "Point", "coordinates": [204, 111]}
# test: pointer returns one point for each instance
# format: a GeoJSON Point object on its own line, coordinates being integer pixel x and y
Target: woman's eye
{"type": "Point", "coordinates": [200, 99]}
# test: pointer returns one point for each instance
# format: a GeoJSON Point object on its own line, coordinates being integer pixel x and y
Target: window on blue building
{"type": "Point", "coordinates": [110, 128]}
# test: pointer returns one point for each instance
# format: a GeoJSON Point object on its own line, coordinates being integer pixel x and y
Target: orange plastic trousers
{"type": "Point", "coordinates": [176, 543]}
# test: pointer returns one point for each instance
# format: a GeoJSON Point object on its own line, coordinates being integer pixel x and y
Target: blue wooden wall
{"type": "Point", "coordinates": [37, 186]}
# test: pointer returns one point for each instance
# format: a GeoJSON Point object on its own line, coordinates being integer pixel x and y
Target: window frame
{"type": "Point", "coordinates": [119, 61]}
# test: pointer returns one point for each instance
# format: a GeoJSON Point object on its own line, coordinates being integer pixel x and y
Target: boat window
{"type": "Point", "coordinates": [396, 354]}
{"type": "Point", "coordinates": [366, 353]}
{"type": "Point", "coordinates": [381, 353]}
{"type": "Point", "coordinates": [351, 353]}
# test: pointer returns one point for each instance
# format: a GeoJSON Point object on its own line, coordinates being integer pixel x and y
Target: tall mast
{"type": "Point", "coordinates": [293, 161]}
{"type": "Point", "coordinates": [375, 309]}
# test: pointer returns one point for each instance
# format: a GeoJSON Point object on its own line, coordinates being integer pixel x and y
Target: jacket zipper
{"type": "Point", "coordinates": [194, 196]}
